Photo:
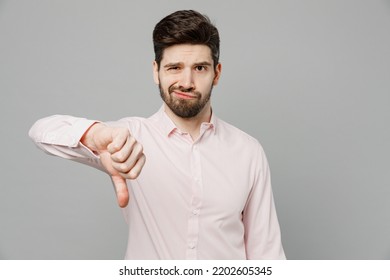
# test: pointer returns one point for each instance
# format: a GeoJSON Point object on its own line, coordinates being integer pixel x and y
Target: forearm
{"type": "Point", "coordinates": [60, 135]}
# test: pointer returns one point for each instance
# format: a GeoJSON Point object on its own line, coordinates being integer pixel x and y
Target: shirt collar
{"type": "Point", "coordinates": [167, 126]}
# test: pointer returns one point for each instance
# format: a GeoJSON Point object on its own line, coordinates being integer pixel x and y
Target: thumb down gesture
{"type": "Point", "coordinates": [120, 154]}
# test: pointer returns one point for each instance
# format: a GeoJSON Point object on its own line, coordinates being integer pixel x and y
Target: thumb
{"type": "Point", "coordinates": [122, 193]}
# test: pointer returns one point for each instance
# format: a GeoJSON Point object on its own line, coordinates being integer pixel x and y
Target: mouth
{"type": "Point", "coordinates": [184, 95]}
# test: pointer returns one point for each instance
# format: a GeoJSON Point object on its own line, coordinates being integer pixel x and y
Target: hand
{"type": "Point", "coordinates": [121, 155]}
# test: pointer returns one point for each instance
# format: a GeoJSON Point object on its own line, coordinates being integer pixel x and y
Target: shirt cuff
{"type": "Point", "coordinates": [79, 127]}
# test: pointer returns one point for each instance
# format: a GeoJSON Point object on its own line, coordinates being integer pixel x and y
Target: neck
{"type": "Point", "coordinates": [190, 125]}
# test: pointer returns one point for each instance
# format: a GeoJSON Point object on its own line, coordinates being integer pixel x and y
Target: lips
{"type": "Point", "coordinates": [184, 95]}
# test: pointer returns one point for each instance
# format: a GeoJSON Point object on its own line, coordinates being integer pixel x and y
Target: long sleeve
{"type": "Point", "coordinates": [60, 135]}
{"type": "Point", "coordinates": [262, 231]}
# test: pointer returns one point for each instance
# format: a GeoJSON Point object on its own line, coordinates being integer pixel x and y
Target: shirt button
{"type": "Point", "coordinates": [195, 211]}
{"type": "Point", "coordinates": [192, 245]}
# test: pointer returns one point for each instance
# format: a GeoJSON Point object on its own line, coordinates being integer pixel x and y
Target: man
{"type": "Point", "coordinates": [199, 187]}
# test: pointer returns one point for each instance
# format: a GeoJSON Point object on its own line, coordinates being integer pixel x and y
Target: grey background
{"type": "Point", "coordinates": [309, 79]}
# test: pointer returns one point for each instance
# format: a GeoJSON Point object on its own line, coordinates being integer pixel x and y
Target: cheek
{"type": "Point", "coordinates": [166, 82]}
{"type": "Point", "coordinates": [205, 84]}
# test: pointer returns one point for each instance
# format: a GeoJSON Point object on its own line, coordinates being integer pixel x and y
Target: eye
{"type": "Point", "coordinates": [200, 68]}
{"type": "Point", "coordinates": [173, 69]}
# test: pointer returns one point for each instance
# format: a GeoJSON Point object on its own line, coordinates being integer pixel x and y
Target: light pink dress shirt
{"type": "Point", "coordinates": [205, 199]}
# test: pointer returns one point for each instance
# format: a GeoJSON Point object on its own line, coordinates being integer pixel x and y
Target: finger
{"type": "Point", "coordinates": [122, 193]}
{"type": "Point", "coordinates": [119, 138]}
{"type": "Point", "coordinates": [136, 170]}
{"type": "Point", "coordinates": [136, 154]}
{"type": "Point", "coordinates": [124, 153]}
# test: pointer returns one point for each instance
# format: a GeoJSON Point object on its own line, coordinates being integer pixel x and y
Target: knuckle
{"type": "Point", "coordinates": [132, 141]}
{"type": "Point", "coordinates": [125, 131]}
{"type": "Point", "coordinates": [133, 174]}
{"type": "Point", "coordinates": [139, 148]}
{"type": "Point", "coordinates": [124, 167]}
{"type": "Point", "coordinates": [120, 156]}
{"type": "Point", "coordinates": [115, 146]}
{"type": "Point", "coordinates": [141, 161]}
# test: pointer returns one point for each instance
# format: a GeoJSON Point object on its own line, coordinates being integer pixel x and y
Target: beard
{"type": "Point", "coordinates": [185, 108]}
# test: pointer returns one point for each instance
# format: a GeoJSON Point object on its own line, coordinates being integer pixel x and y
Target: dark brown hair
{"type": "Point", "coordinates": [185, 27]}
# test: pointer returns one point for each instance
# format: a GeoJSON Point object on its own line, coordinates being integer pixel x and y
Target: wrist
{"type": "Point", "coordinates": [89, 135]}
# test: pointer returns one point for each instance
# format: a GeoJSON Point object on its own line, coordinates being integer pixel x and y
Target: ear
{"type": "Point", "coordinates": [155, 73]}
{"type": "Point", "coordinates": [218, 70]}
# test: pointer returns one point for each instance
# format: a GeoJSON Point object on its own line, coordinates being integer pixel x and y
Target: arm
{"type": "Point", "coordinates": [262, 231]}
{"type": "Point", "coordinates": [111, 149]}
{"type": "Point", "coordinates": [59, 136]}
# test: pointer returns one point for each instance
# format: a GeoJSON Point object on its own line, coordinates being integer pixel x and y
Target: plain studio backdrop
{"type": "Point", "coordinates": [309, 79]}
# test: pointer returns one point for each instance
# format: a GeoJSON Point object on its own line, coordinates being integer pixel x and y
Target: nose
{"type": "Point", "coordinates": [186, 79]}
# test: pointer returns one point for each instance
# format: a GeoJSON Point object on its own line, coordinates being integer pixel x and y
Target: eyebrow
{"type": "Point", "coordinates": [203, 63]}
{"type": "Point", "coordinates": [176, 64]}
{"type": "Point", "coordinates": [173, 64]}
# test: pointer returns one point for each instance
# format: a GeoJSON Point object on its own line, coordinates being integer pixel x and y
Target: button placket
{"type": "Point", "coordinates": [196, 202]}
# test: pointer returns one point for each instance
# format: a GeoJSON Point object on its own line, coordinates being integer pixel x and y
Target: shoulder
{"type": "Point", "coordinates": [232, 133]}
{"type": "Point", "coordinates": [247, 150]}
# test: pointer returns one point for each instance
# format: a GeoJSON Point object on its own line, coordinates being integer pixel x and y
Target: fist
{"type": "Point", "coordinates": [121, 155]}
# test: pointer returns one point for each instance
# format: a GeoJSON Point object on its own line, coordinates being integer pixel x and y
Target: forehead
{"type": "Point", "coordinates": [187, 54]}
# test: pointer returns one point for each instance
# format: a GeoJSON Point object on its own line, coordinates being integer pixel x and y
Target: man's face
{"type": "Point", "coordinates": [186, 78]}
